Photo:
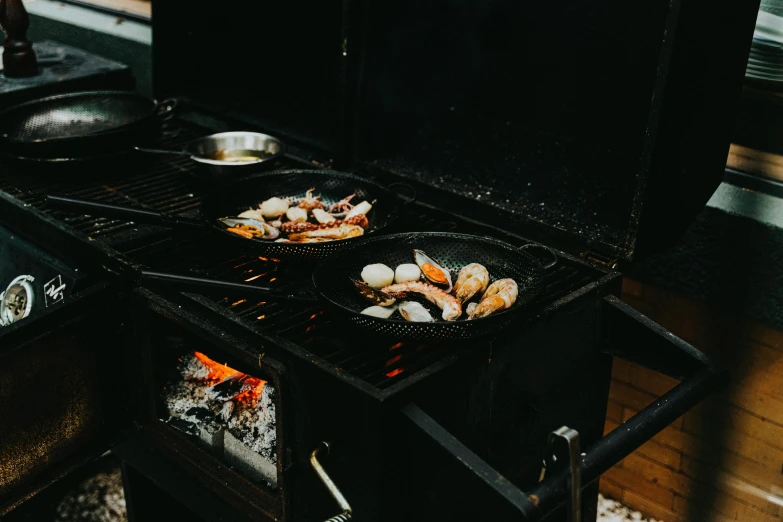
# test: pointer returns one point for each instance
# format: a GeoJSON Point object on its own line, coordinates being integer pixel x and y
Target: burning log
{"type": "Point", "coordinates": [229, 412]}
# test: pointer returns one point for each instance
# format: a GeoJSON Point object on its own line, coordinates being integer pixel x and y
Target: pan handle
{"type": "Point", "coordinates": [99, 208]}
{"type": "Point", "coordinates": [551, 253]}
{"type": "Point", "coordinates": [163, 151]}
{"type": "Point", "coordinates": [186, 282]}
{"type": "Point", "coordinates": [414, 195]}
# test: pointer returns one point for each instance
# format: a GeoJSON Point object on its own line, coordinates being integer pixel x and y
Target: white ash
{"type": "Point", "coordinates": [612, 511]}
{"type": "Point", "coordinates": [98, 499]}
{"type": "Point", "coordinates": [255, 425]}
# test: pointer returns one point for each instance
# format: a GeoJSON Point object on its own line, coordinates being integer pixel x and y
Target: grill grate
{"type": "Point", "coordinates": [170, 186]}
{"type": "Point", "coordinates": [377, 361]}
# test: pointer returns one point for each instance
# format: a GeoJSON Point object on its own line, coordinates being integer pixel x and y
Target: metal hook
{"type": "Point", "coordinates": [346, 513]}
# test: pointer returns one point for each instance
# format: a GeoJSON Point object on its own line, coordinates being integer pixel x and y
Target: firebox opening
{"type": "Point", "coordinates": [228, 412]}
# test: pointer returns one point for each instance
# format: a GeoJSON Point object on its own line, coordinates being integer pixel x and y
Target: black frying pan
{"type": "Point", "coordinates": [79, 126]}
{"type": "Point", "coordinates": [332, 281]}
{"type": "Point", "coordinates": [232, 198]}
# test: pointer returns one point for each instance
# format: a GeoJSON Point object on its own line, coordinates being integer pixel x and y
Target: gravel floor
{"type": "Point", "coordinates": [100, 498]}
{"type": "Point", "coordinates": [612, 511]}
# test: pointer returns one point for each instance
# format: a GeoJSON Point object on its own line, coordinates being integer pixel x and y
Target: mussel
{"type": "Point", "coordinates": [373, 295]}
{"type": "Point", "coordinates": [432, 270]}
{"type": "Point", "coordinates": [250, 228]}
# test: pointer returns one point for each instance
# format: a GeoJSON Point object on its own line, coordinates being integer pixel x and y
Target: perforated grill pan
{"type": "Point", "coordinates": [76, 125]}
{"type": "Point", "coordinates": [332, 279]}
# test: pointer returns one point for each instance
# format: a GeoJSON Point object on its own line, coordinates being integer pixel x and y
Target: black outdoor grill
{"type": "Point", "coordinates": [596, 139]}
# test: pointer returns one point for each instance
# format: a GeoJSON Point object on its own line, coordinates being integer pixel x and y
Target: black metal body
{"type": "Point", "coordinates": [248, 192]}
{"type": "Point", "coordinates": [499, 398]}
{"type": "Point", "coordinates": [575, 137]}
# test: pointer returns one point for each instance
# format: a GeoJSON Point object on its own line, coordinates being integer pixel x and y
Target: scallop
{"type": "Point", "coordinates": [296, 214]}
{"type": "Point", "coordinates": [407, 272]}
{"type": "Point", "coordinates": [382, 312]}
{"type": "Point", "coordinates": [432, 270]}
{"type": "Point", "coordinates": [252, 213]}
{"type": "Point", "coordinates": [378, 275]}
{"type": "Point", "coordinates": [415, 312]}
{"type": "Point", "coordinates": [274, 207]}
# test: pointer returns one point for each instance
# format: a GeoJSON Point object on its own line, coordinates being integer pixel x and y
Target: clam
{"type": "Point", "coordinates": [373, 295]}
{"type": "Point", "coordinates": [381, 312]}
{"type": "Point", "coordinates": [432, 270]}
{"type": "Point", "coordinates": [415, 312]}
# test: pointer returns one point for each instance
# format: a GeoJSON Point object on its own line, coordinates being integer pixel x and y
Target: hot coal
{"type": "Point", "coordinates": [231, 413]}
{"type": "Point", "coordinates": [230, 388]}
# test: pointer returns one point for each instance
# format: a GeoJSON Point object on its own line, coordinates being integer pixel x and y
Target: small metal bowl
{"type": "Point", "coordinates": [229, 149]}
{"type": "Point", "coordinates": [229, 153]}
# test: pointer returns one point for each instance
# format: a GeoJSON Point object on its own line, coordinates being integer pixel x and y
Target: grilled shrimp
{"type": "Point", "coordinates": [339, 232]}
{"type": "Point", "coordinates": [292, 227]}
{"type": "Point", "coordinates": [501, 295]}
{"type": "Point", "coordinates": [472, 279]}
{"type": "Point", "coordinates": [452, 308]}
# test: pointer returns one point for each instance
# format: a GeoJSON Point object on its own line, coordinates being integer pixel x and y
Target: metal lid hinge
{"type": "Point", "coordinates": [600, 259]}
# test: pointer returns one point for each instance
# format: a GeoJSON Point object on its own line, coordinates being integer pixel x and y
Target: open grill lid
{"type": "Point", "coordinates": [603, 123]}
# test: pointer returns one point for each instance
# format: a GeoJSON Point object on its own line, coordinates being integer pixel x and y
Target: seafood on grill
{"type": "Point", "coordinates": [374, 295]}
{"type": "Point", "coordinates": [250, 228]}
{"type": "Point", "coordinates": [291, 227]}
{"type": "Point", "coordinates": [296, 215]}
{"type": "Point", "coordinates": [473, 279]}
{"type": "Point", "coordinates": [377, 275]}
{"type": "Point", "coordinates": [500, 295]}
{"type": "Point", "coordinates": [274, 207]}
{"type": "Point", "coordinates": [323, 216]}
{"type": "Point", "coordinates": [432, 270]}
{"type": "Point", "coordinates": [407, 272]}
{"type": "Point", "coordinates": [383, 312]}
{"type": "Point", "coordinates": [343, 206]}
{"type": "Point", "coordinates": [362, 208]}
{"type": "Point", "coordinates": [449, 304]}
{"type": "Point", "coordinates": [306, 220]}
{"type": "Point", "coordinates": [472, 290]}
{"type": "Point", "coordinates": [310, 203]}
{"type": "Point", "coordinates": [252, 213]}
{"type": "Point", "coordinates": [339, 232]}
{"type": "Point", "coordinates": [414, 312]}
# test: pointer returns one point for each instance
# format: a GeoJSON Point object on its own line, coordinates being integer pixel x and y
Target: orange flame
{"type": "Point", "coordinates": [220, 372]}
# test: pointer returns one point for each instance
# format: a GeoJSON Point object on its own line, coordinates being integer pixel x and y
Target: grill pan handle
{"type": "Point", "coordinates": [551, 253]}
{"type": "Point", "coordinates": [99, 208]}
{"type": "Point", "coordinates": [186, 282]}
{"type": "Point", "coordinates": [407, 200]}
{"type": "Point", "coordinates": [628, 335]}
{"type": "Point", "coordinates": [167, 152]}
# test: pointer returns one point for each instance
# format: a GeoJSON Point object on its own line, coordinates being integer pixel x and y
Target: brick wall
{"type": "Point", "coordinates": [723, 460]}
